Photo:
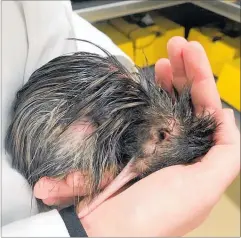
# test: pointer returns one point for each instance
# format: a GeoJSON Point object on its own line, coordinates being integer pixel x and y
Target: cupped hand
{"type": "Point", "coordinates": [177, 199]}
{"type": "Point", "coordinates": [174, 200]}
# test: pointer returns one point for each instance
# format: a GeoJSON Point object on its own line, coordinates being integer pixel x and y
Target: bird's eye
{"type": "Point", "coordinates": [162, 135]}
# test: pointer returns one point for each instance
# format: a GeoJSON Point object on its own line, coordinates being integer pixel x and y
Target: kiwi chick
{"type": "Point", "coordinates": [86, 112]}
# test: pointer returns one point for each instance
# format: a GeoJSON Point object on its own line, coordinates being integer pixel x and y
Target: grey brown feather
{"type": "Point", "coordinates": [123, 107]}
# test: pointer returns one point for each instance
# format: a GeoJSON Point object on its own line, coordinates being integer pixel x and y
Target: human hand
{"type": "Point", "coordinates": [174, 200]}
{"type": "Point", "coordinates": [177, 199]}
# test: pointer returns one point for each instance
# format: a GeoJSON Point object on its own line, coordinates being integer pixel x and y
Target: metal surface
{"type": "Point", "coordinates": [94, 11]}
{"type": "Point", "coordinates": [102, 10]}
{"type": "Point", "coordinates": [224, 8]}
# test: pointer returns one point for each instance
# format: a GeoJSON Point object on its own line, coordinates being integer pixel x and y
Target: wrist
{"type": "Point", "coordinates": [101, 222]}
{"type": "Point", "coordinates": [89, 225]}
{"type": "Point", "coordinates": [94, 224]}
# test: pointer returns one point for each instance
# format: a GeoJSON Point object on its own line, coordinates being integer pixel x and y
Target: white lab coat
{"type": "Point", "coordinates": [34, 32]}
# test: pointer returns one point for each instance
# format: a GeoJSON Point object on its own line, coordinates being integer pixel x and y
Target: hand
{"type": "Point", "coordinates": [174, 200]}
{"type": "Point", "coordinates": [177, 199]}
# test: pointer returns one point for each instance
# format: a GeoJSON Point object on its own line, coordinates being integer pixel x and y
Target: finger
{"type": "Point", "coordinates": [49, 187]}
{"type": "Point", "coordinates": [73, 185]}
{"type": "Point", "coordinates": [59, 201]}
{"type": "Point", "coordinates": [220, 168]}
{"type": "Point", "coordinates": [175, 48]}
{"type": "Point", "coordinates": [204, 91]}
{"type": "Point", "coordinates": [77, 179]}
{"type": "Point", "coordinates": [163, 72]}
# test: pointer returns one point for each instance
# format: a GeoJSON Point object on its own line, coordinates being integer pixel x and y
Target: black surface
{"type": "Point", "coordinates": [72, 222]}
{"type": "Point", "coordinates": [190, 15]}
{"type": "Point", "coordinates": [78, 4]}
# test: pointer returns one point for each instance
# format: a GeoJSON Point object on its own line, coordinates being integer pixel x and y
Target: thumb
{"type": "Point", "coordinates": [227, 132]}
{"type": "Point", "coordinates": [221, 165]}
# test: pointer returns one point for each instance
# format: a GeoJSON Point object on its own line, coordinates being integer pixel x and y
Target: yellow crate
{"type": "Point", "coordinates": [150, 43]}
{"type": "Point", "coordinates": [158, 43]}
{"type": "Point", "coordinates": [143, 41]}
{"type": "Point", "coordinates": [205, 37]}
{"type": "Point", "coordinates": [117, 37]}
{"type": "Point", "coordinates": [220, 49]}
{"type": "Point", "coordinates": [222, 52]}
{"type": "Point", "coordinates": [228, 83]}
{"type": "Point", "coordinates": [234, 43]}
{"type": "Point", "coordinates": [168, 29]}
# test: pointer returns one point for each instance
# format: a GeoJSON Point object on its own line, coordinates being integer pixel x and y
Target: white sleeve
{"type": "Point", "coordinates": [35, 32]}
{"type": "Point", "coordinates": [48, 224]}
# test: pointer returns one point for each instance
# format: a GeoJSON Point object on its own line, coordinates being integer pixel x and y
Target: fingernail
{"type": "Point", "coordinates": [40, 190]}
